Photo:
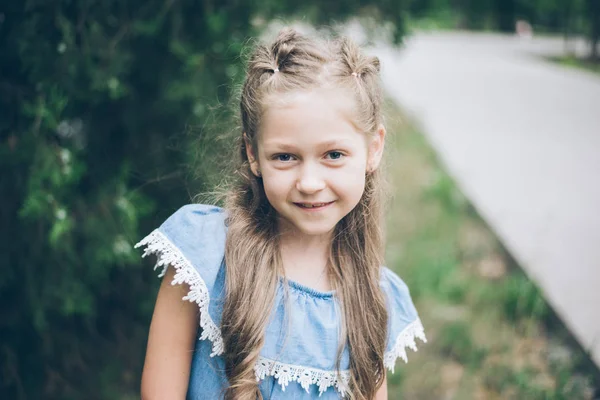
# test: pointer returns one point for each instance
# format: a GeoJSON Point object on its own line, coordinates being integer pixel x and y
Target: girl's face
{"type": "Point", "coordinates": [313, 160]}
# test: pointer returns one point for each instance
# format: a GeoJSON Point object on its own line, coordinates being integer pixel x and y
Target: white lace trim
{"type": "Point", "coordinates": [286, 373]}
{"type": "Point", "coordinates": [168, 254]}
{"type": "Point", "coordinates": [406, 339]}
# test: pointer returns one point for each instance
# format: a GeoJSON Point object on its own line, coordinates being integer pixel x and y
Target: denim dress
{"type": "Point", "coordinates": [297, 360]}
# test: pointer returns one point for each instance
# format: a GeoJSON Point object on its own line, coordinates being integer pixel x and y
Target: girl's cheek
{"type": "Point", "coordinates": [277, 182]}
{"type": "Point", "coordinates": [356, 167]}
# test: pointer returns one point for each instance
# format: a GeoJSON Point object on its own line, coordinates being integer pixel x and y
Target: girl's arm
{"type": "Point", "coordinates": [170, 343]}
{"type": "Point", "coordinates": [382, 393]}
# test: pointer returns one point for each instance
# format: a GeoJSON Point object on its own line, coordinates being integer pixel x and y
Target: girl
{"type": "Point", "coordinates": [286, 281]}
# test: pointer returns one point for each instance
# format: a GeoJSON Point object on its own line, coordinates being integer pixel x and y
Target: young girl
{"type": "Point", "coordinates": [286, 281]}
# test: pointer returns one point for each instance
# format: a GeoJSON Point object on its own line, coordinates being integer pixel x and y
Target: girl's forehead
{"type": "Point", "coordinates": [317, 110]}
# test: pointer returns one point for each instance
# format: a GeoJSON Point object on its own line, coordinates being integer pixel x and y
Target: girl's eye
{"type": "Point", "coordinates": [335, 155]}
{"type": "Point", "coordinates": [283, 157]}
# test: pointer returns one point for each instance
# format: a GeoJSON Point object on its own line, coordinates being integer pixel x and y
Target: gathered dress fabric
{"type": "Point", "coordinates": [298, 358]}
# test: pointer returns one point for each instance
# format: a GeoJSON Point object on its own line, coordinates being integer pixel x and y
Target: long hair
{"type": "Point", "coordinates": [252, 247]}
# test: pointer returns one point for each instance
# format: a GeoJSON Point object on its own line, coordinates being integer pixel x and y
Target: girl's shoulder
{"type": "Point", "coordinates": [192, 223]}
{"type": "Point", "coordinates": [192, 241]}
{"type": "Point", "coordinates": [193, 234]}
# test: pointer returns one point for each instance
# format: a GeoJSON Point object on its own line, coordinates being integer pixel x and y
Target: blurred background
{"type": "Point", "coordinates": [115, 113]}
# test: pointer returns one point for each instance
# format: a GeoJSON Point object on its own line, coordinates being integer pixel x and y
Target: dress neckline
{"type": "Point", "coordinates": [308, 290]}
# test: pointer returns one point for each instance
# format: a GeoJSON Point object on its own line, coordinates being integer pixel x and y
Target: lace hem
{"type": "Point", "coordinates": [406, 339]}
{"type": "Point", "coordinates": [305, 376]}
{"type": "Point", "coordinates": [168, 254]}
{"type": "Point", "coordinates": [286, 373]}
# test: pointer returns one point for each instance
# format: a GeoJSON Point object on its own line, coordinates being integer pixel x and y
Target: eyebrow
{"type": "Point", "coordinates": [291, 147]}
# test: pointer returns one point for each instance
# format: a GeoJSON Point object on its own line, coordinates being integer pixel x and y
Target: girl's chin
{"type": "Point", "coordinates": [314, 229]}
{"type": "Point", "coordinates": [308, 229]}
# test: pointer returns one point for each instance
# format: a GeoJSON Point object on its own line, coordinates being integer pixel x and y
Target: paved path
{"type": "Point", "coordinates": [522, 139]}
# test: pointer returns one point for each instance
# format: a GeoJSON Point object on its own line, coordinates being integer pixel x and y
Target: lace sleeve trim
{"type": "Point", "coordinates": [406, 339]}
{"type": "Point", "coordinates": [169, 255]}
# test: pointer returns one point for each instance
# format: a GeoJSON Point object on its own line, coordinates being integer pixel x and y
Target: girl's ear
{"type": "Point", "coordinates": [250, 153]}
{"type": "Point", "coordinates": [376, 146]}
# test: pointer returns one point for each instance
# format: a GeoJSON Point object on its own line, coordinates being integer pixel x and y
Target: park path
{"type": "Point", "coordinates": [521, 136]}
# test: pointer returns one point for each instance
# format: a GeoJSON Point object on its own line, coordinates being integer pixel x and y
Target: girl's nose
{"type": "Point", "coordinates": [310, 182]}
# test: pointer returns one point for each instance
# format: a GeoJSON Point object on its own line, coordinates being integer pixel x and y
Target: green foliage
{"type": "Point", "coordinates": [574, 62]}
{"type": "Point", "coordinates": [522, 299]}
{"type": "Point", "coordinates": [522, 383]}
{"type": "Point", "coordinates": [518, 298]}
{"type": "Point", "coordinates": [445, 191]}
{"type": "Point", "coordinates": [455, 341]}
{"type": "Point", "coordinates": [108, 120]}
{"type": "Point", "coordinates": [497, 377]}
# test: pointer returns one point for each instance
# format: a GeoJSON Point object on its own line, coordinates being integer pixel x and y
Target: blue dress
{"type": "Point", "coordinates": [297, 360]}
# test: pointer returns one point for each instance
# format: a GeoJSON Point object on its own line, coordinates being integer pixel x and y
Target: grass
{"type": "Point", "coordinates": [574, 62]}
{"type": "Point", "coordinates": [491, 334]}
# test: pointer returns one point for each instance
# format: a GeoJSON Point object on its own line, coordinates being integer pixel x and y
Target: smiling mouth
{"type": "Point", "coordinates": [313, 206]}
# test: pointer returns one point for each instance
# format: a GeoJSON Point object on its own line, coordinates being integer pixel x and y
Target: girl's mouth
{"type": "Point", "coordinates": [313, 206]}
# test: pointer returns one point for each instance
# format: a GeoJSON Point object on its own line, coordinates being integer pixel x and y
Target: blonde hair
{"type": "Point", "coordinates": [295, 62]}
